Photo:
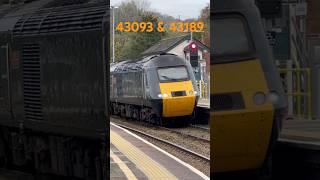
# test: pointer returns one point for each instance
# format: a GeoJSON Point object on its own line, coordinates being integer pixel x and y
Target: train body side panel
{"type": "Point", "coordinates": [240, 136]}
{"type": "Point", "coordinates": [66, 73]}
{"type": "Point", "coordinates": [127, 88]}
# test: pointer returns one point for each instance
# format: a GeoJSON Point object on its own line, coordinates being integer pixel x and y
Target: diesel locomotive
{"type": "Point", "coordinates": [156, 89]}
{"type": "Point", "coordinates": [248, 103]}
{"type": "Point", "coordinates": [54, 87]}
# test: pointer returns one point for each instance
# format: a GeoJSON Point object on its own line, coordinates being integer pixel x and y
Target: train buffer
{"type": "Point", "coordinates": [132, 157]}
{"type": "Point", "coordinates": [301, 134]}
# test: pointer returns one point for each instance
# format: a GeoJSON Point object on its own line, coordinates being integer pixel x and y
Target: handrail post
{"type": "Point", "coordinates": [309, 94]}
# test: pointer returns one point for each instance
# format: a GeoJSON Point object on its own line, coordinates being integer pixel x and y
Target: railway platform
{"type": "Point", "coordinates": [301, 133]}
{"type": "Point", "coordinates": [132, 157]}
{"type": "Point", "coordinates": [297, 155]}
{"type": "Point", "coordinates": [203, 103]}
{"type": "Point", "coordinates": [202, 112]}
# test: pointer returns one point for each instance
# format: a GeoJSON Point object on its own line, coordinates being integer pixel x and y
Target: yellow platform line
{"type": "Point", "coordinates": [148, 166]}
{"type": "Point", "coordinates": [124, 168]}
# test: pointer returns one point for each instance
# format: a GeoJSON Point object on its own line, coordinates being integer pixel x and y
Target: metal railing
{"type": "Point", "coordinates": [203, 89]}
{"type": "Point", "coordinates": [300, 45]}
{"type": "Point", "coordinates": [297, 86]}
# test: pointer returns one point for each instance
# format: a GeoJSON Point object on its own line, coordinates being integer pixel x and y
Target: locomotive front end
{"type": "Point", "coordinates": [177, 91]}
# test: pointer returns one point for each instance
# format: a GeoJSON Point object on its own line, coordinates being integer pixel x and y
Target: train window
{"type": "Point", "coordinates": [173, 74]}
{"type": "Point", "coordinates": [231, 40]}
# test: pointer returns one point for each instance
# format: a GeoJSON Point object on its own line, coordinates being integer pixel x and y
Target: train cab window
{"type": "Point", "coordinates": [231, 40]}
{"type": "Point", "coordinates": [173, 74]}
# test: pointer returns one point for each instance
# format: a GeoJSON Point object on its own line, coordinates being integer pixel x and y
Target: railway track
{"type": "Point", "coordinates": [167, 143]}
{"type": "Point", "coordinates": [185, 134]}
{"type": "Point", "coordinates": [200, 127]}
{"type": "Point", "coordinates": [181, 132]}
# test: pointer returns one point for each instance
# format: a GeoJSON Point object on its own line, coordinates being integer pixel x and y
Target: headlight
{"type": "Point", "coordinates": [259, 98]}
{"type": "Point", "coordinates": [190, 92]}
{"type": "Point", "coordinates": [162, 95]}
{"type": "Point", "coordinates": [274, 97]}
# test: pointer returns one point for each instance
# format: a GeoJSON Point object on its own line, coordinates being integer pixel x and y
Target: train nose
{"type": "Point", "coordinates": [178, 98]}
{"type": "Point", "coordinates": [178, 106]}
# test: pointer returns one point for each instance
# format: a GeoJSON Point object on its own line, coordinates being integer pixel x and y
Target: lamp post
{"type": "Point", "coordinates": [113, 7]}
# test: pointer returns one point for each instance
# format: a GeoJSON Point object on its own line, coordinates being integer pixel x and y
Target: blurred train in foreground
{"type": "Point", "coordinates": [157, 89]}
{"type": "Point", "coordinates": [53, 87]}
{"type": "Point", "coordinates": [247, 99]}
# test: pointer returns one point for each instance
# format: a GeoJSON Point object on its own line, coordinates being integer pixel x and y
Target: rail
{"type": "Point", "coordinates": [180, 148]}
{"type": "Point", "coordinates": [200, 127]}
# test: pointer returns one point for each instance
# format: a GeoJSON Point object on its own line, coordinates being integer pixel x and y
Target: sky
{"type": "Point", "coordinates": [185, 8]}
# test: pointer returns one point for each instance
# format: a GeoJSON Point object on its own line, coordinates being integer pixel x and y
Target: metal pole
{"type": "Point", "coordinates": [112, 34]}
{"type": "Point", "coordinates": [290, 88]}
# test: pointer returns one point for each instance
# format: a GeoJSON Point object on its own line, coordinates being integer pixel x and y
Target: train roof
{"type": "Point", "coordinates": [4, 9]}
{"type": "Point", "coordinates": [10, 14]}
{"type": "Point", "coordinates": [165, 45]}
{"type": "Point", "coordinates": [137, 65]}
{"type": "Point", "coordinates": [53, 16]}
{"type": "Point", "coordinates": [129, 65]}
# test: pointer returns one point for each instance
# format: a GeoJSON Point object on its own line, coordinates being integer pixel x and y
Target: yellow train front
{"type": "Point", "coordinates": [247, 99]}
{"type": "Point", "coordinates": [158, 89]}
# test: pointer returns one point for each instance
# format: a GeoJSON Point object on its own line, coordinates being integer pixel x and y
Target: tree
{"type": "Point", "coordinates": [128, 11]}
{"type": "Point", "coordinates": [204, 36]}
{"type": "Point", "coordinates": [140, 41]}
{"type": "Point", "coordinates": [205, 17]}
{"type": "Point", "coordinates": [130, 45]}
{"type": "Point", "coordinates": [131, 10]}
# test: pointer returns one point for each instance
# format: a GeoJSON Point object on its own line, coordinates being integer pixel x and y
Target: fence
{"type": "Point", "coordinates": [203, 89]}
{"type": "Point", "coordinates": [297, 86]}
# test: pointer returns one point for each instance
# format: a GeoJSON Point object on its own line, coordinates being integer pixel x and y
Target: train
{"type": "Point", "coordinates": [54, 87]}
{"type": "Point", "coordinates": [159, 89]}
{"type": "Point", "coordinates": [248, 103]}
